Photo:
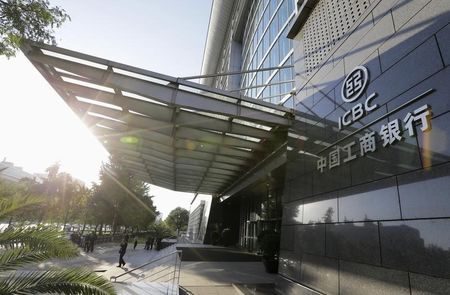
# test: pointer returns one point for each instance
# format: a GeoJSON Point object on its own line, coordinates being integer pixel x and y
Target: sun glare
{"type": "Point", "coordinates": [38, 129]}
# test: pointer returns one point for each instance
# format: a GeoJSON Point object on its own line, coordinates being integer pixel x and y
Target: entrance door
{"type": "Point", "coordinates": [251, 235]}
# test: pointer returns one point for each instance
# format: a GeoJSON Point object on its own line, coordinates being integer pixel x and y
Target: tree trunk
{"type": "Point", "coordinates": [114, 225]}
{"type": "Point", "coordinates": [84, 226]}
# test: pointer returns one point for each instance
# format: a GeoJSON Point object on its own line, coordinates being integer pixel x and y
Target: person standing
{"type": "Point", "coordinates": [92, 241]}
{"type": "Point", "coordinates": [147, 244]}
{"type": "Point", "coordinates": [152, 241]}
{"type": "Point", "coordinates": [87, 243]}
{"type": "Point", "coordinates": [122, 251]}
{"type": "Point", "coordinates": [135, 242]}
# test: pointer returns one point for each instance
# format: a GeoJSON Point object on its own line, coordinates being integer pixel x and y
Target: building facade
{"type": "Point", "coordinates": [366, 200]}
{"type": "Point", "coordinates": [10, 172]}
{"type": "Point", "coordinates": [248, 37]}
{"type": "Point", "coordinates": [350, 163]}
{"type": "Point", "coordinates": [363, 199]}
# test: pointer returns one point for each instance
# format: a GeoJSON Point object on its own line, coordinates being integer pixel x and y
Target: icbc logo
{"type": "Point", "coordinates": [353, 88]}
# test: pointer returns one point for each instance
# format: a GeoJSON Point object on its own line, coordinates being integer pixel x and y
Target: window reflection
{"type": "Point", "coordinates": [321, 209]}
{"type": "Point", "coordinates": [418, 245]}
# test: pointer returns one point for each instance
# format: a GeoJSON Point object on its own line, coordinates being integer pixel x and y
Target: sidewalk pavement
{"type": "Point", "coordinates": [199, 277]}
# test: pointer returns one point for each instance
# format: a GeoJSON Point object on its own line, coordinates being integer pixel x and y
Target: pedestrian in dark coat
{"type": "Point", "coordinates": [87, 241]}
{"type": "Point", "coordinates": [122, 251]}
{"type": "Point", "coordinates": [135, 242]}
{"type": "Point", "coordinates": [152, 241]}
{"type": "Point", "coordinates": [92, 241]}
{"type": "Point", "coordinates": [147, 243]}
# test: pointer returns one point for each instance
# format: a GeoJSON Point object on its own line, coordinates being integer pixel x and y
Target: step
{"type": "Point", "coordinates": [228, 289]}
{"type": "Point", "coordinates": [146, 288]}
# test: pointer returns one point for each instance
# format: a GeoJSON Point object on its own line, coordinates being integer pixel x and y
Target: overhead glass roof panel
{"type": "Point", "coordinates": [167, 131]}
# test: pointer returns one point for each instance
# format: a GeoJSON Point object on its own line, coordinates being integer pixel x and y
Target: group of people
{"type": "Point", "coordinates": [86, 242]}
{"type": "Point", "coordinates": [148, 246]}
{"type": "Point", "coordinates": [149, 243]}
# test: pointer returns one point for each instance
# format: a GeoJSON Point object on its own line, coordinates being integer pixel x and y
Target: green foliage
{"type": "Point", "coordinates": [66, 198]}
{"type": "Point", "coordinates": [28, 19]}
{"type": "Point", "coordinates": [66, 281]}
{"type": "Point", "coordinates": [121, 199]}
{"type": "Point", "coordinates": [41, 239]}
{"type": "Point", "coordinates": [178, 219]}
{"type": "Point", "coordinates": [22, 246]}
{"type": "Point", "coordinates": [161, 230]}
{"type": "Point", "coordinates": [16, 200]}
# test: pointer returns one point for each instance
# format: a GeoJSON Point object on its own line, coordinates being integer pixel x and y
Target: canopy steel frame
{"type": "Point", "coordinates": [185, 136]}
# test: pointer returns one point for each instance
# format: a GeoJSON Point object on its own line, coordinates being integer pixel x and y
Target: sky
{"type": "Point", "coordinates": [38, 129]}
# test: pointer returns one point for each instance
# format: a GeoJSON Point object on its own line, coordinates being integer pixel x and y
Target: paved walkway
{"type": "Point", "coordinates": [199, 277]}
{"type": "Point", "coordinates": [223, 273]}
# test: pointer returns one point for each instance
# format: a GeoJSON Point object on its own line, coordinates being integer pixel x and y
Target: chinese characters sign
{"type": "Point", "coordinates": [396, 130]}
{"type": "Point", "coordinates": [389, 134]}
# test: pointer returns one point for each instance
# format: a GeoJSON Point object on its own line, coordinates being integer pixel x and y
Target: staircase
{"type": "Point", "coordinates": [157, 277]}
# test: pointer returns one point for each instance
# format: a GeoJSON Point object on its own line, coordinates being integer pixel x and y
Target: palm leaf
{"type": "Point", "coordinates": [41, 240]}
{"type": "Point", "coordinates": [18, 204]}
{"type": "Point", "coordinates": [12, 259]}
{"type": "Point", "coordinates": [70, 281]}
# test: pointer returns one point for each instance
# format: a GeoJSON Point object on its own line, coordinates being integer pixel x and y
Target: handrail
{"type": "Point", "coordinates": [145, 264]}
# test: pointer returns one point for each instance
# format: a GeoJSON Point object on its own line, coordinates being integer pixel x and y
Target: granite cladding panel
{"type": "Point", "coordinates": [425, 193]}
{"type": "Point", "coordinates": [413, 68]}
{"type": "Point", "coordinates": [373, 201]}
{"type": "Point", "coordinates": [310, 239]}
{"type": "Point", "coordinates": [426, 285]}
{"type": "Point", "coordinates": [438, 99]}
{"type": "Point", "coordinates": [429, 18]}
{"type": "Point", "coordinates": [289, 265]}
{"type": "Point", "coordinates": [356, 279]}
{"type": "Point", "coordinates": [435, 144]}
{"type": "Point", "coordinates": [293, 213]}
{"type": "Point", "coordinates": [402, 65]}
{"type": "Point", "coordinates": [391, 160]}
{"type": "Point", "coordinates": [320, 209]}
{"type": "Point", "coordinates": [320, 273]}
{"type": "Point", "coordinates": [380, 32]}
{"type": "Point", "coordinates": [287, 239]}
{"type": "Point", "coordinates": [421, 246]}
{"type": "Point", "coordinates": [443, 37]}
{"type": "Point", "coordinates": [403, 11]}
{"type": "Point", "coordinates": [356, 241]}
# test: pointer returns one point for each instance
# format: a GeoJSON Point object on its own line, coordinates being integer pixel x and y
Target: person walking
{"type": "Point", "coordinates": [122, 251]}
{"type": "Point", "coordinates": [147, 243]}
{"type": "Point", "coordinates": [152, 241]}
{"type": "Point", "coordinates": [135, 242]}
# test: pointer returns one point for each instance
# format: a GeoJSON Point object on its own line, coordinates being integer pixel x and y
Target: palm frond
{"type": "Point", "coordinates": [71, 281]}
{"type": "Point", "coordinates": [41, 240]}
{"type": "Point", "coordinates": [18, 204]}
{"type": "Point", "coordinates": [11, 259]}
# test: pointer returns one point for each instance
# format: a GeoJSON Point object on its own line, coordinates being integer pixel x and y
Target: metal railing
{"type": "Point", "coordinates": [161, 271]}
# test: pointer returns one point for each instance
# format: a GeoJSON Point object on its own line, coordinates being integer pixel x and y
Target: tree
{"type": "Point", "coordinates": [22, 246]}
{"type": "Point", "coordinates": [14, 194]}
{"type": "Point", "coordinates": [28, 19]}
{"type": "Point", "coordinates": [66, 197]}
{"type": "Point", "coordinates": [160, 230]}
{"type": "Point", "coordinates": [122, 199]}
{"type": "Point", "coordinates": [178, 219]}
